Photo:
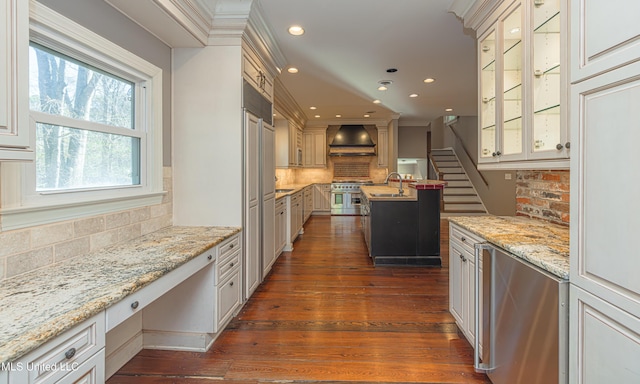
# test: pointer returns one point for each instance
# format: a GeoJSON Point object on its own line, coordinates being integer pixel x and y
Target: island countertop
{"type": "Point", "coordinates": [38, 306]}
{"type": "Point", "coordinates": [543, 244]}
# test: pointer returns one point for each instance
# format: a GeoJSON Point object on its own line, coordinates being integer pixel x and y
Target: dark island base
{"type": "Point", "coordinates": [407, 261]}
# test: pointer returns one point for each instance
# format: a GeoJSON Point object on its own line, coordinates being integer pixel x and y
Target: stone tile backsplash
{"type": "Point", "coordinates": [543, 195]}
{"type": "Point", "coordinates": [27, 249]}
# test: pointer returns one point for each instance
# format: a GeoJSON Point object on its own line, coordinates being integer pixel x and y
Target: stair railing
{"type": "Point", "coordinates": [460, 144]}
{"type": "Point", "coordinates": [440, 176]}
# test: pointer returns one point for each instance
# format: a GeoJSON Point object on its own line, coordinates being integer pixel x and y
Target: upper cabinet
{"type": "Point", "coordinates": [254, 72]}
{"type": "Point", "coordinates": [314, 150]}
{"type": "Point", "coordinates": [522, 85]}
{"type": "Point", "coordinates": [15, 141]}
{"type": "Point", "coordinates": [288, 144]}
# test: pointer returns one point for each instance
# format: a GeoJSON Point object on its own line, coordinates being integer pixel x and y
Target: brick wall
{"type": "Point", "coordinates": [28, 249]}
{"type": "Point", "coordinates": [543, 195]}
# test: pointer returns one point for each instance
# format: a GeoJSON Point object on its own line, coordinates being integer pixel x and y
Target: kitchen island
{"type": "Point", "coordinates": [403, 229]}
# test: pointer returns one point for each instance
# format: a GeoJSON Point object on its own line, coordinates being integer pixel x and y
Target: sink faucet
{"type": "Point", "coordinates": [400, 190]}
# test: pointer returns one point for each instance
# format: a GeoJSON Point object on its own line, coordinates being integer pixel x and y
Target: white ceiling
{"type": "Point", "coordinates": [349, 44]}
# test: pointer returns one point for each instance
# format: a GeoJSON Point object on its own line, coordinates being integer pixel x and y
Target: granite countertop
{"type": "Point", "coordinates": [40, 305]}
{"type": "Point", "coordinates": [294, 188]}
{"type": "Point", "coordinates": [370, 191]}
{"type": "Point", "coordinates": [543, 244]}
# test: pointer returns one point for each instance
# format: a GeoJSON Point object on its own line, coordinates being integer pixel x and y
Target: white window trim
{"type": "Point", "coordinates": [19, 208]}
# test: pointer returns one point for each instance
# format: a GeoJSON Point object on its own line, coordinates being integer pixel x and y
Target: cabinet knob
{"type": "Point", "coordinates": [498, 153]}
{"type": "Point", "coordinates": [231, 246]}
{"type": "Point", "coordinates": [232, 264]}
{"type": "Point", "coordinates": [70, 353]}
{"type": "Point", "coordinates": [209, 257]}
{"type": "Point", "coordinates": [559, 146]}
{"type": "Point", "coordinates": [567, 145]}
{"type": "Point", "coordinates": [135, 304]}
{"type": "Point", "coordinates": [463, 239]}
{"type": "Point", "coordinates": [231, 284]}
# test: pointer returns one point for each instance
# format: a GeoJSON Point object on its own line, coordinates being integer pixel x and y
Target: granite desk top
{"type": "Point", "coordinates": [543, 244]}
{"type": "Point", "coordinates": [37, 306]}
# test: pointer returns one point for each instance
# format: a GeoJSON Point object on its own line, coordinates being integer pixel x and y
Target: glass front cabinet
{"type": "Point", "coordinates": [522, 87]}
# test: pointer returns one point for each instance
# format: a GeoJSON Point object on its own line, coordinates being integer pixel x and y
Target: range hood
{"type": "Point", "coordinates": [352, 140]}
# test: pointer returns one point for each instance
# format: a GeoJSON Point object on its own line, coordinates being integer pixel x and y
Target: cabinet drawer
{"type": "Point", "coordinates": [62, 355]}
{"type": "Point", "coordinates": [226, 267]}
{"type": "Point", "coordinates": [280, 204]}
{"type": "Point", "coordinates": [135, 302]}
{"type": "Point", "coordinates": [89, 372]}
{"type": "Point", "coordinates": [228, 297]}
{"type": "Point", "coordinates": [227, 248]}
{"type": "Point", "coordinates": [463, 237]}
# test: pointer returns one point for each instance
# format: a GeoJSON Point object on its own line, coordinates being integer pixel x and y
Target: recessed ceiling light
{"type": "Point", "coordinates": [377, 101]}
{"type": "Point", "coordinates": [317, 116]}
{"type": "Point", "coordinates": [292, 70]}
{"type": "Point", "coordinates": [296, 30]}
{"type": "Point", "coordinates": [313, 108]}
{"type": "Point", "coordinates": [448, 110]}
{"type": "Point", "coordinates": [383, 84]}
{"type": "Point", "coordinates": [413, 95]}
{"type": "Point", "coordinates": [367, 116]}
{"type": "Point", "coordinates": [338, 115]}
{"type": "Point", "coordinates": [429, 80]}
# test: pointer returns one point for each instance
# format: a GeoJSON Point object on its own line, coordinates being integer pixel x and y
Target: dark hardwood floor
{"type": "Point", "coordinates": [325, 314]}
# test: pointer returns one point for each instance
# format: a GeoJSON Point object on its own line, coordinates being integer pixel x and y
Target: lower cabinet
{"type": "Point", "coordinates": [322, 199]}
{"type": "Point", "coordinates": [462, 280]}
{"type": "Point", "coordinates": [281, 225]}
{"type": "Point", "coordinates": [76, 354]}
{"type": "Point", "coordinates": [307, 207]}
{"type": "Point", "coordinates": [296, 213]}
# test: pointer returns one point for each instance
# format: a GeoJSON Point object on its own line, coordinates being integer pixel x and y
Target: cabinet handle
{"type": "Point", "coordinates": [135, 304]}
{"type": "Point", "coordinates": [463, 239]}
{"type": "Point", "coordinates": [232, 264]}
{"type": "Point", "coordinates": [231, 284]}
{"type": "Point", "coordinates": [231, 246]}
{"type": "Point", "coordinates": [494, 154]}
{"type": "Point", "coordinates": [559, 146]}
{"type": "Point", "coordinates": [70, 353]}
{"type": "Point", "coordinates": [567, 145]}
{"type": "Point", "coordinates": [209, 257]}
{"type": "Point", "coordinates": [498, 153]}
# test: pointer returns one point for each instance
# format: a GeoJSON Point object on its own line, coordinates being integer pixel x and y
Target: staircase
{"type": "Point", "coordinates": [460, 197]}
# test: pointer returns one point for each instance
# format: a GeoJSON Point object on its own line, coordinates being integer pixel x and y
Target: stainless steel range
{"type": "Point", "coordinates": [345, 196]}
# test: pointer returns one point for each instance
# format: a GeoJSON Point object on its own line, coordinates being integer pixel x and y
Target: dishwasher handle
{"type": "Point", "coordinates": [486, 365]}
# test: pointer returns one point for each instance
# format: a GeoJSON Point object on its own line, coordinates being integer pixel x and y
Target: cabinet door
{"type": "Point", "coordinates": [605, 35]}
{"type": "Point", "coordinates": [548, 137]}
{"type": "Point", "coordinates": [457, 286]}
{"type": "Point", "coordinates": [383, 147]}
{"type": "Point", "coordinates": [268, 238]}
{"type": "Point", "coordinates": [268, 161]}
{"type": "Point", "coordinates": [488, 103]}
{"type": "Point", "coordinates": [15, 140]}
{"type": "Point", "coordinates": [512, 132]}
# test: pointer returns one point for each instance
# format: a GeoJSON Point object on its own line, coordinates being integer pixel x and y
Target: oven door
{"type": "Point", "coordinates": [354, 199]}
{"type": "Point", "coordinates": [338, 202]}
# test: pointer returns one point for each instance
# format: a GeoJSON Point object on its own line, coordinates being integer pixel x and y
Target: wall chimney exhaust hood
{"type": "Point", "coordinates": [352, 140]}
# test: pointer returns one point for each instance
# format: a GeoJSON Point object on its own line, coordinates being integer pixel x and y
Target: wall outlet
{"type": "Point", "coordinates": [507, 176]}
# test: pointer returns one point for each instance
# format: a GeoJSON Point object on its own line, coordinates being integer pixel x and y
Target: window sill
{"type": "Point", "coordinates": [30, 216]}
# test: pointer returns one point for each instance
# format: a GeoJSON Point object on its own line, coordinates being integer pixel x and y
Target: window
{"type": "Point", "coordinates": [95, 112]}
{"type": "Point", "coordinates": [85, 131]}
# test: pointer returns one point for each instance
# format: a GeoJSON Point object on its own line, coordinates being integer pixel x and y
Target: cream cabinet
{"type": "Point", "coordinates": [307, 207]}
{"type": "Point", "coordinates": [462, 279]}
{"type": "Point", "coordinates": [383, 147]}
{"type": "Point", "coordinates": [322, 198]}
{"type": "Point", "coordinates": [289, 142]}
{"type": "Point", "coordinates": [255, 73]}
{"type": "Point", "coordinates": [15, 139]}
{"type": "Point", "coordinates": [314, 150]}
{"type": "Point", "coordinates": [604, 322]}
{"type": "Point", "coordinates": [296, 212]}
{"type": "Point", "coordinates": [77, 353]}
{"type": "Point", "coordinates": [281, 225]}
{"type": "Point", "coordinates": [522, 86]}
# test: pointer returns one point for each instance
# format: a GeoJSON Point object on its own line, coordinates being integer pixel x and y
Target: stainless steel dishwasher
{"type": "Point", "coordinates": [525, 320]}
